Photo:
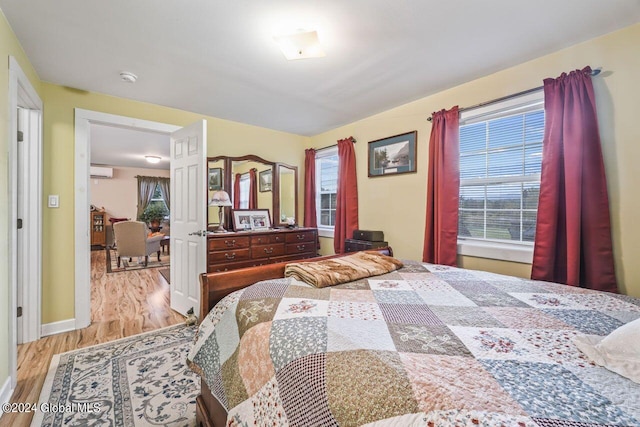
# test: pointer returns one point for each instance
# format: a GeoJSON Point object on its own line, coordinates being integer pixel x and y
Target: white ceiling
{"type": "Point", "coordinates": [115, 146]}
{"type": "Point", "coordinates": [218, 58]}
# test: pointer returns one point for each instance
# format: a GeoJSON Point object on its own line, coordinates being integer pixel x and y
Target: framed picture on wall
{"type": "Point", "coordinates": [265, 180]}
{"type": "Point", "coordinates": [251, 219]}
{"type": "Point", "coordinates": [393, 155]}
{"type": "Point", "coordinates": [215, 179]}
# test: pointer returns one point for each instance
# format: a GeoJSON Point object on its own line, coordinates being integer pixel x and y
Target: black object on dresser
{"type": "Point", "coordinates": [364, 240]}
{"type": "Point", "coordinates": [230, 251]}
{"type": "Point", "coordinates": [369, 235]}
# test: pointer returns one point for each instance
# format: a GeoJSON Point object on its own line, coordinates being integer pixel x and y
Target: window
{"type": "Point", "coordinates": [157, 197]}
{"type": "Point", "coordinates": [500, 159]}
{"type": "Point", "coordinates": [244, 191]}
{"type": "Point", "coordinates": [326, 188]}
{"type": "Point", "coordinates": [157, 203]}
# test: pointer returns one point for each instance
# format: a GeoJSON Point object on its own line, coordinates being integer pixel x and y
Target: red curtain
{"type": "Point", "coordinates": [573, 232]}
{"type": "Point", "coordinates": [347, 195]}
{"type": "Point", "coordinates": [236, 192]}
{"type": "Point", "coordinates": [253, 189]}
{"type": "Point", "coordinates": [443, 187]}
{"type": "Point", "coordinates": [310, 218]}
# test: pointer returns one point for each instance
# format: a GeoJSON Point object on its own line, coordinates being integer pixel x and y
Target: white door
{"type": "Point", "coordinates": [188, 215]}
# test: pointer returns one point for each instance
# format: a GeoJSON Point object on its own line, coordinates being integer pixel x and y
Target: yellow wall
{"type": "Point", "coordinates": [224, 138]}
{"type": "Point", "coordinates": [9, 46]}
{"type": "Point", "coordinates": [396, 204]}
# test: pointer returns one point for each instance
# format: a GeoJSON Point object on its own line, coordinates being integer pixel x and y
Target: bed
{"type": "Point", "coordinates": [424, 345]}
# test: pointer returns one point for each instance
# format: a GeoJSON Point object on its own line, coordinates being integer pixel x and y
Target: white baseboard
{"type": "Point", "coordinates": [58, 327]}
{"type": "Point", "coordinates": [5, 392]}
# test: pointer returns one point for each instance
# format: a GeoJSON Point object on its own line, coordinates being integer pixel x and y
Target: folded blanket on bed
{"type": "Point", "coordinates": [334, 271]}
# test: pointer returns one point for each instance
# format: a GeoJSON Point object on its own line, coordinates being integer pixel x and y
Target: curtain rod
{"type": "Point", "coordinates": [352, 139]}
{"type": "Point", "coordinates": [145, 176]}
{"type": "Point", "coordinates": [594, 73]}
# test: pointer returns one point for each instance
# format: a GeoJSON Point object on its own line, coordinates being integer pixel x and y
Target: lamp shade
{"type": "Point", "coordinates": [220, 198]}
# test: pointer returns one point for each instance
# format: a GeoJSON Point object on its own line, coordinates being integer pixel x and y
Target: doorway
{"type": "Point", "coordinates": [84, 119]}
{"type": "Point", "coordinates": [120, 157]}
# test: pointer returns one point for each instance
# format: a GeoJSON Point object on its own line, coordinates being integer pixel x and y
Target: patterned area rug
{"type": "Point", "coordinates": [136, 263]}
{"type": "Point", "coordinates": [136, 381]}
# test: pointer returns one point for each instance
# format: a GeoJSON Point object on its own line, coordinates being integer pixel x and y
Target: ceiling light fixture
{"type": "Point", "coordinates": [128, 77]}
{"type": "Point", "coordinates": [300, 45]}
{"type": "Point", "coordinates": [152, 159]}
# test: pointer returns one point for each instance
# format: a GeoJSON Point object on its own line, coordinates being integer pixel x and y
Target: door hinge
{"type": "Point", "coordinates": [19, 223]}
{"type": "Point", "coordinates": [19, 312]}
{"type": "Point", "coordinates": [20, 136]}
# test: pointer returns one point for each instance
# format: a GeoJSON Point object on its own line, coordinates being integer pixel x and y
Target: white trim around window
{"type": "Point", "coordinates": [503, 251]}
{"type": "Point", "coordinates": [326, 232]}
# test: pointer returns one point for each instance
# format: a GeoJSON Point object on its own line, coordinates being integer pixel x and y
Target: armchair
{"type": "Point", "coordinates": [131, 238]}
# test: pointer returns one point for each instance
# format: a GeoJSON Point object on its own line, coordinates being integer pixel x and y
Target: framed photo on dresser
{"type": "Point", "coordinates": [251, 219]}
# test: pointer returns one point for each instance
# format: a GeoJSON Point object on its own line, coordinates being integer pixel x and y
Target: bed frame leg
{"type": "Point", "coordinates": [202, 415]}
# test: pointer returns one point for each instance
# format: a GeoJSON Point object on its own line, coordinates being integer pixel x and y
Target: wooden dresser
{"type": "Point", "coordinates": [233, 250]}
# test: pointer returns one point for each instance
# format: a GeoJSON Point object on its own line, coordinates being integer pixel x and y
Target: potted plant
{"type": "Point", "coordinates": [154, 214]}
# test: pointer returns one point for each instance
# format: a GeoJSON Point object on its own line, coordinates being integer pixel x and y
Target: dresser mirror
{"type": "Point", "coordinates": [288, 189]}
{"type": "Point", "coordinates": [273, 185]}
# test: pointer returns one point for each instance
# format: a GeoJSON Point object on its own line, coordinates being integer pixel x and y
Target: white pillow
{"type": "Point", "coordinates": [618, 352]}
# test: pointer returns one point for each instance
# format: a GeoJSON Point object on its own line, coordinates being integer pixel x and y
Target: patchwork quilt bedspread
{"type": "Point", "coordinates": [425, 345]}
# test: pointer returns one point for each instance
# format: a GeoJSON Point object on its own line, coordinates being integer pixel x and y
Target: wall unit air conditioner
{"type": "Point", "coordinates": [100, 172]}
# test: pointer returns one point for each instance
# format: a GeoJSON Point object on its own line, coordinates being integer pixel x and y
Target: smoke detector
{"type": "Point", "coordinates": [128, 77]}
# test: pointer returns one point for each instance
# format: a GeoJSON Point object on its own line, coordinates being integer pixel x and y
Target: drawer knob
{"type": "Point", "coordinates": [268, 250]}
{"type": "Point", "coordinates": [230, 243]}
{"type": "Point", "coordinates": [300, 236]}
{"type": "Point", "coordinates": [230, 256]}
{"type": "Point", "coordinates": [300, 247]}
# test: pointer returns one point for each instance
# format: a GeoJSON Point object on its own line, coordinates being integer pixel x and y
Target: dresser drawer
{"type": "Point", "coordinates": [229, 243]}
{"type": "Point", "coordinates": [298, 248]}
{"type": "Point", "coordinates": [267, 251]}
{"type": "Point", "coordinates": [229, 255]}
{"type": "Point", "coordinates": [302, 236]}
{"type": "Point", "coordinates": [234, 250]}
{"type": "Point", "coordinates": [263, 240]}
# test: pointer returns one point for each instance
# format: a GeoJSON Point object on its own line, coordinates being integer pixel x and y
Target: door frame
{"type": "Point", "coordinates": [22, 94]}
{"type": "Point", "coordinates": [83, 121]}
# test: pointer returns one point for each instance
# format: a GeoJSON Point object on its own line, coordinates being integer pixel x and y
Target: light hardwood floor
{"type": "Point", "coordinates": [122, 304]}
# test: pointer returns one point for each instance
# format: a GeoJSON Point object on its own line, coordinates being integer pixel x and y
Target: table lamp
{"type": "Point", "coordinates": [220, 199]}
